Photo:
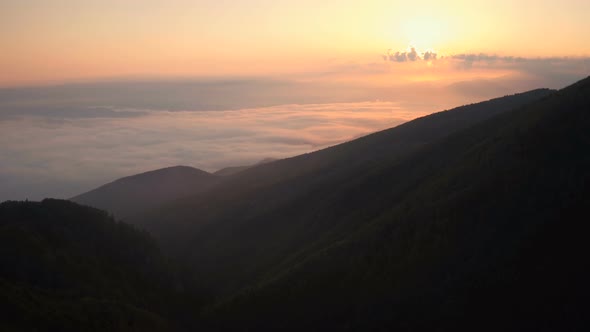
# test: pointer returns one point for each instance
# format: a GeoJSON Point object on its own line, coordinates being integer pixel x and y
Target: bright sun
{"type": "Point", "coordinates": [424, 32]}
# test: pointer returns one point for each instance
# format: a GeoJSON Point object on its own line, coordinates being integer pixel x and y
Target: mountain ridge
{"type": "Point", "coordinates": [129, 195]}
{"type": "Point", "coordinates": [471, 218]}
{"type": "Point", "coordinates": [451, 249]}
{"type": "Point", "coordinates": [303, 193]}
{"type": "Point", "coordinates": [231, 170]}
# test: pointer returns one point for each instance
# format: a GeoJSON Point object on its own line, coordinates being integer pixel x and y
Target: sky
{"type": "Point", "coordinates": [58, 40]}
{"type": "Point", "coordinates": [92, 90]}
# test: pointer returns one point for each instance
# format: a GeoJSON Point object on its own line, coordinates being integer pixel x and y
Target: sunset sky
{"type": "Point", "coordinates": [93, 90]}
{"type": "Point", "coordinates": [60, 40]}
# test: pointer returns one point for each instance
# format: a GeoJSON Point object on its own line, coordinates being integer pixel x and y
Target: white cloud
{"type": "Point", "coordinates": [61, 157]}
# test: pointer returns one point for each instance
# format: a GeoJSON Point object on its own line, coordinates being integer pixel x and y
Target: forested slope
{"type": "Point", "coordinates": [493, 237]}
{"type": "Point", "coordinates": [66, 267]}
{"type": "Point", "coordinates": [246, 228]}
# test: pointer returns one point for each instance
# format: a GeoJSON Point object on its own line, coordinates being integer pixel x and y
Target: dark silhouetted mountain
{"type": "Point", "coordinates": [472, 218]}
{"type": "Point", "coordinates": [66, 267]}
{"type": "Point", "coordinates": [130, 195]}
{"type": "Point", "coordinates": [483, 229]}
{"type": "Point", "coordinates": [237, 169]}
{"type": "Point", "coordinates": [258, 220]}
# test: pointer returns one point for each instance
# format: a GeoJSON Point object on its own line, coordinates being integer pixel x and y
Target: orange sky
{"type": "Point", "coordinates": [61, 40]}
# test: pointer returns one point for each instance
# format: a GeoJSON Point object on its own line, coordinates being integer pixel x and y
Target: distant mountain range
{"type": "Point", "coordinates": [472, 218]}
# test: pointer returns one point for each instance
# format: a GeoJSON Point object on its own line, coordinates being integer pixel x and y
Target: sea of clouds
{"type": "Point", "coordinates": [61, 155]}
{"type": "Point", "coordinates": [62, 140]}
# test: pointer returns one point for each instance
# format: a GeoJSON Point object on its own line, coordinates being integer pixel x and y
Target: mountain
{"type": "Point", "coordinates": [130, 195]}
{"type": "Point", "coordinates": [244, 229]}
{"type": "Point", "coordinates": [482, 229]}
{"type": "Point", "coordinates": [231, 170]}
{"type": "Point", "coordinates": [472, 218]}
{"type": "Point", "coordinates": [66, 267]}
{"type": "Point", "coordinates": [237, 169]}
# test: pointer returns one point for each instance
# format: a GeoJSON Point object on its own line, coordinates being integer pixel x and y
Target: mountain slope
{"type": "Point", "coordinates": [227, 171]}
{"type": "Point", "coordinates": [130, 195]}
{"type": "Point", "coordinates": [247, 228]}
{"type": "Point", "coordinates": [66, 267]}
{"type": "Point", "coordinates": [492, 237]}
{"type": "Point", "coordinates": [472, 218]}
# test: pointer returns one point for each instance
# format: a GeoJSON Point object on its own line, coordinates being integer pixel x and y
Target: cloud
{"type": "Point", "coordinates": [64, 111]}
{"type": "Point", "coordinates": [554, 72]}
{"type": "Point", "coordinates": [429, 55]}
{"type": "Point", "coordinates": [411, 55]}
{"type": "Point", "coordinates": [97, 99]}
{"type": "Point", "coordinates": [562, 62]}
{"type": "Point", "coordinates": [49, 157]}
{"type": "Point", "coordinates": [467, 60]}
{"type": "Point", "coordinates": [62, 140]}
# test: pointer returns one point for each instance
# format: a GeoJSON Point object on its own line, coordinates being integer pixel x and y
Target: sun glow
{"type": "Point", "coordinates": [425, 32]}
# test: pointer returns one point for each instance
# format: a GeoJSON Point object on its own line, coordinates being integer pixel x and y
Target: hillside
{"type": "Point", "coordinates": [66, 267]}
{"type": "Point", "coordinates": [490, 236]}
{"type": "Point", "coordinates": [227, 171]}
{"type": "Point", "coordinates": [467, 219]}
{"type": "Point", "coordinates": [259, 219]}
{"type": "Point", "coordinates": [130, 195]}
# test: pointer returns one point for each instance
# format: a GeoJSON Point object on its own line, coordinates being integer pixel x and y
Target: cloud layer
{"type": "Point", "coordinates": [60, 157]}
{"type": "Point", "coordinates": [58, 141]}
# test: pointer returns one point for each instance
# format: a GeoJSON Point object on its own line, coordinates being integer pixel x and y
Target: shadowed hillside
{"type": "Point", "coordinates": [491, 236]}
{"type": "Point", "coordinates": [227, 171]}
{"type": "Point", "coordinates": [261, 218]}
{"type": "Point", "coordinates": [130, 195]}
{"type": "Point", "coordinates": [66, 267]}
{"type": "Point", "coordinates": [472, 218]}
